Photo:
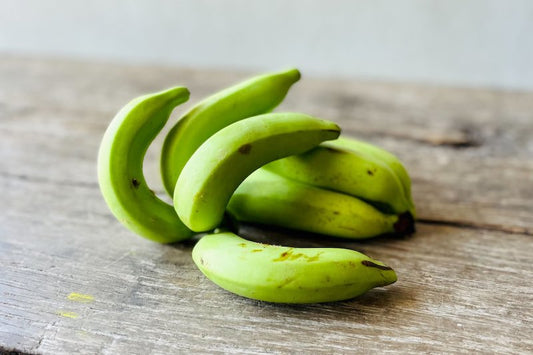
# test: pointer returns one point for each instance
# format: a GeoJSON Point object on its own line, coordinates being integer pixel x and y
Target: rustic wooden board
{"type": "Point", "coordinates": [74, 280]}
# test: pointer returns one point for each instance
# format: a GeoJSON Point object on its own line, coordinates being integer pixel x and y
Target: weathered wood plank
{"type": "Point", "coordinates": [464, 279]}
{"type": "Point", "coordinates": [459, 290]}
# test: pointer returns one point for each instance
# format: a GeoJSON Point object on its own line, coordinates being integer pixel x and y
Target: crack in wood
{"type": "Point", "coordinates": [461, 224]}
{"type": "Point", "coordinates": [457, 140]}
{"type": "Point", "coordinates": [480, 226]}
{"type": "Point", "coordinates": [38, 179]}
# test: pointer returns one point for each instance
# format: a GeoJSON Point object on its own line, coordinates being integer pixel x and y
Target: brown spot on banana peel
{"type": "Point", "coordinates": [310, 259]}
{"type": "Point", "coordinates": [284, 256]}
{"type": "Point", "coordinates": [296, 256]}
{"type": "Point", "coordinates": [245, 148]}
{"type": "Point", "coordinates": [377, 266]}
{"type": "Point", "coordinates": [405, 225]}
{"type": "Point", "coordinates": [288, 255]}
{"type": "Point", "coordinates": [135, 183]}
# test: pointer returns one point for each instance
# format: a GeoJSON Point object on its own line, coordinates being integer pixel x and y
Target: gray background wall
{"type": "Point", "coordinates": [457, 42]}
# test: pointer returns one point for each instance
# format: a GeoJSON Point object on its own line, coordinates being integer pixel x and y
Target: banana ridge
{"type": "Point", "coordinates": [392, 161]}
{"type": "Point", "coordinates": [346, 171]}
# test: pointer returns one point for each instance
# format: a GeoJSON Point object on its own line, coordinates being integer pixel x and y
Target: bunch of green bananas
{"type": "Point", "coordinates": [229, 156]}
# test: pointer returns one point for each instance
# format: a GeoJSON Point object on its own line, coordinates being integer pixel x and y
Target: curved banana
{"type": "Point", "coordinates": [120, 161]}
{"type": "Point", "coordinates": [216, 169]}
{"type": "Point", "coordinates": [287, 275]}
{"type": "Point", "coordinates": [267, 198]}
{"type": "Point", "coordinates": [352, 171]}
{"type": "Point", "coordinates": [252, 97]}
{"type": "Point", "coordinates": [347, 171]}
{"type": "Point", "coordinates": [388, 158]}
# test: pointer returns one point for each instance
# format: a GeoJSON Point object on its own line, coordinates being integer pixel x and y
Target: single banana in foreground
{"type": "Point", "coordinates": [287, 275]}
{"type": "Point", "coordinates": [252, 97]}
{"type": "Point", "coordinates": [386, 157]}
{"type": "Point", "coordinates": [217, 168]}
{"type": "Point", "coordinates": [267, 198]}
{"type": "Point", "coordinates": [347, 171]}
{"type": "Point", "coordinates": [120, 161]}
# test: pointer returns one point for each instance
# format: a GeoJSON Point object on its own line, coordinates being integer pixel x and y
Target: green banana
{"type": "Point", "coordinates": [348, 171]}
{"type": "Point", "coordinates": [287, 275]}
{"type": "Point", "coordinates": [216, 169]}
{"type": "Point", "coordinates": [267, 198]}
{"type": "Point", "coordinates": [252, 97]}
{"type": "Point", "coordinates": [120, 161]}
{"type": "Point", "coordinates": [386, 157]}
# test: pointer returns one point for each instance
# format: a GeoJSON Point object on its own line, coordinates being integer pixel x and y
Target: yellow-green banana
{"type": "Point", "coordinates": [386, 157]}
{"type": "Point", "coordinates": [287, 275]}
{"type": "Point", "coordinates": [120, 162]}
{"type": "Point", "coordinates": [250, 98]}
{"type": "Point", "coordinates": [267, 198]}
{"type": "Point", "coordinates": [349, 171]}
{"type": "Point", "coordinates": [216, 169]}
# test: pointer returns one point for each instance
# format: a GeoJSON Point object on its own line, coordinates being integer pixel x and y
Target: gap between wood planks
{"type": "Point", "coordinates": [460, 139]}
{"type": "Point", "coordinates": [429, 221]}
{"type": "Point", "coordinates": [480, 226]}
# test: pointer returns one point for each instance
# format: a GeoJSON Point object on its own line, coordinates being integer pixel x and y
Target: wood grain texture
{"type": "Point", "coordinates": [464, 277]}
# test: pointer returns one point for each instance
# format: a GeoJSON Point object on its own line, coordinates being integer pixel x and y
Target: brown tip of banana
{"type": "Point", "coordinates": [405, 224]}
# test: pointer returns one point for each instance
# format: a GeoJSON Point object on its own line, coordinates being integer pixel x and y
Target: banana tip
{"type": "Point", "coordinates": [391, 277]}
{"type": "Point", "coordinates": [405, 225]}
{"type": "Point", "coordinates": [294, 73]}
{"type": "Point", "coordinates": [387, 274]}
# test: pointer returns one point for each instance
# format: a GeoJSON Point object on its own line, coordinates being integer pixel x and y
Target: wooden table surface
{"type": "Point", "coordinates": [72, 279]}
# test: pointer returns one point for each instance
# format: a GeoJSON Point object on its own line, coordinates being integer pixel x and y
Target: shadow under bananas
{"type": "Point", "coordinates": [275, 235]}
{"type": "Point", "coordinates": [380, 300]}
{"type": "Point", "coordinates": [295, 238]}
